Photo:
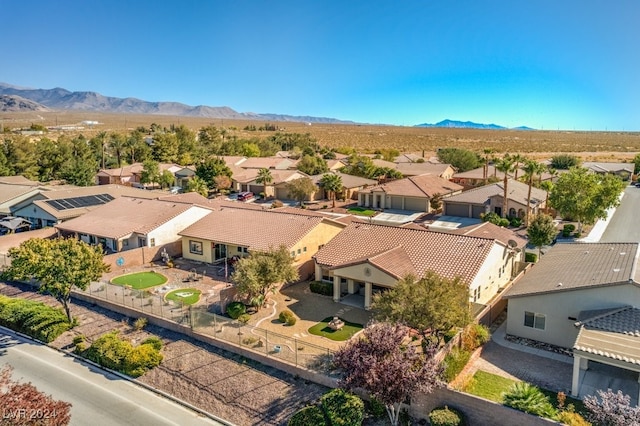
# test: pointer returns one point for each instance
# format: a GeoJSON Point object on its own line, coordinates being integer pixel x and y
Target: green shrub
{"type": "Point", "coordinates": [79, 349]}
{"type": "Point", "coordinates": [78, 339]}
{"type": "Point", "coordinates": [112, 352]}
{"type": "Point", "coordinates": [321, 287]}
{"type": "Point", "coordinates": [377, 408]}
{"type": "Point", "coordinates": [342, 408]}
{"type": "Point", "coordinates": [571, 418]}
{"type": "Point", "coordinates": [474, 336]}
{"type": "Point", "coordinates": [569, 227]}
{"type": "Point", "coordinates": [285, 315]}
{"type": "Point", "coordinates": [244, 318]}
{"type": "Point", "coordinates": [450, 334]}
{"type": "Point", "coordinates": [528, 398]}
{"type": "Point", "coordinates": [140, 323]}
{"type": "Point", "coordinates": [291, 321]}
{"type": "Point", "coordinates": [455, 362]}
{"type": "Point", "coordinates": [445, 417]}
{"type": "Point", "coordinates": [310, 415]}
{"type": "Point", "coordinates": [515, 222]}
{"type": "Point", "coordinates": [32, 318]}
{"type": "Point", "coordinates": [235, 309]}
{"type": "Point", "coordinates": [249, 341]}
{"type": "Point", "coordinates": [530, 257]}
{"type": "Point", "coordinates": [140, 359]}
{"type": "Point", "coordinates": [154, 341]}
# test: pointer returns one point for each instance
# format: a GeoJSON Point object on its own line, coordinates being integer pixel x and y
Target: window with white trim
{"type": "Point", "coordinates": [534, 320]}
{"type": "Point", "coordinates": [195, 247]}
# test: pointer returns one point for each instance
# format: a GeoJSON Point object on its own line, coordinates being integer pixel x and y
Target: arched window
{"type": "Point", "coordinates": [521, 214]}
{"type": "Point", "coordinates": [512, 212]}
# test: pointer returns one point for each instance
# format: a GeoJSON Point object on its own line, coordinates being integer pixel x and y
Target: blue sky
{"type": "Point", "coordinates": [547, 64]}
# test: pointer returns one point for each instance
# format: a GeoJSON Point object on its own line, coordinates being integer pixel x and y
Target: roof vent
{"type": "Point", "coordinates": [559, 285]}
{"type": "Point", "coordinates": [616, 269]}
{"type": "Point", "coordinates": [622, 253]}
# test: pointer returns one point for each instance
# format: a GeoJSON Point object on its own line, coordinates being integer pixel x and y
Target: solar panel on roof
{"type": "Point", "coordinates": [79, 202]}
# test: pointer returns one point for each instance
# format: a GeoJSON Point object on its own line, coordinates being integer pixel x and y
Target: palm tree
{"type": "Point", "coordinates": [485, 164]}
{"type": "Point", "coordinates": [531, 169]}
{"type": "Point", "coordinates": [505, 165]}
{"type": "Point", "coordinates": [517, 160]}
{"type": "Point", "coordinates": [333, 183]}
{"type": "Point", "coordinates": [547, 185]}
{"type": "Point", "coordinates": [264, 178]}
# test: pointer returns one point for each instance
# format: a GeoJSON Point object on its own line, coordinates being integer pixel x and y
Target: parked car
{"type": "Point", "coordinates": [637, 184]}
{"type": "Point", "coordinates": [245, 196]}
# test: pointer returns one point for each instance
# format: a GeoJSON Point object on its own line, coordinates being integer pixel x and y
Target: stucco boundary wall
{"type": "Point", "coordinates": [478, 411]}
{"type": "Point", "coordinates": [186, 330]}
{"type": "Point", "coordinates": [498, 304]}
{"type": "Point", "coordinates": [142, 255]}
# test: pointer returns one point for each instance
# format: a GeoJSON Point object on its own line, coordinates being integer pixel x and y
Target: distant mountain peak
{"type": "Point", "coordinates": [468, 125]}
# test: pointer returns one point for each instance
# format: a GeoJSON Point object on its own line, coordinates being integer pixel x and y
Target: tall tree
{"type": "Point", "coordinates": [210, 168]}
{"type": "Point", "coordinates": [485, 164]}
{"type": "Point", "coordinates": [258, 274]}
{"type": "Point", "coordinates": [518, 159]}
{"type": "Point", "coordinates": [198, 185]}
{"type": "Point", "coordinates": [165, 147]}
{"type": "Point", "coordinates": [264, 178]}
{"type": "Point", "coordinates": [23, 404]}
{"type": "Point", "coordinates": [332, 183]}
{"type": "Point", "coordinates": [117, 144]}
{"type": "Point", "coordinates": [584, 196]}
{"type": "Point", "coordinates": [531, 168]}
{"type": "Point", "coordinates": [80, 169]}
{"type": "Point", "coordinates": [564, 161]}
{"type": "Point", "coordinates": [461, 159]}
{"type": "Point", "coordinates": [166, 179]}
{"type": "Point", "coordinates": [432, 304]}
{"type": "Point", "coordinates": [387, 365]}
{"type": "Point", "coordinates": [312, 165]}
{"type": "Point", "coordinates": [58, 265]}
{"type": "Point", "coordinates": [150, 172]}
{"type": "Point", "coordinates": [301, 189]}
{"type": "Point", "coordinates": [505, 165]}
{"type": "Point", "coordinates": [541, 231]}
{"type": "Point", "coordinates": [547, 185]}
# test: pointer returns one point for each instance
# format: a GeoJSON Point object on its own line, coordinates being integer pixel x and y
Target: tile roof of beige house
{"type": "Point", "coordinates": [489, 230]}
{"type": "Point", "coordinates": [18, 180]}
{"type": "Point", "coordinates": [405, 250]}
{"type": "Point", "coordinates": [255, 229]}
{"type": "Point", "coordinates": [414, 169]}
{"type": "Point", "coordinates": [569, 266]}
{"type": "Point", "coordinates": [124, 216]}
{"type": "Point", "coordinates": [268, 163]}
{"type": "Point", "coordinates": [516, 191]}
{"type": "Point", "coordinates": [416, 186]}
{"type": "Point", "coordinates": [113, 190]}
{"type": "Point", "coordinates": [348, 181]}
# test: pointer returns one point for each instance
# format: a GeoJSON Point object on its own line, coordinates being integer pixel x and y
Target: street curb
{"type": "Point", "coordinates": [124, 377]}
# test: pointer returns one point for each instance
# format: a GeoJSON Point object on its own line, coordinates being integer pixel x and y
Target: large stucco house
{"type": "Point", "coordinates": [230, 232]}
{"type": "Point", "coordinates": [365, 258]}
{"type": "Point", "coordinates": [412, 193]}
{"type": "Point", "coordinates": [585, 297]}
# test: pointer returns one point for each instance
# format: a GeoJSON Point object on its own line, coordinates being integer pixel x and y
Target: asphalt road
{"type": "Point", "coordinates": [624, 226]}
{"type": "Point", "coordinates": [97, 397]}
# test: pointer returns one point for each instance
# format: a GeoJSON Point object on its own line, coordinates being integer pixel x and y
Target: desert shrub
{"type": "Point", "coordinates": [571, 418]}
{"type": "Point", "coordinates": [377, 408]}
{"type": "Point", "coordinates": [235, 309]}
{"type": "Point", "coordinates": [310, 415]}
{"type": "Point", "coordinates": [284, 315]}
{"type": "Point", "coordinates": [249, 341]}
{"type": "Point", "coordinates": [530, 257]}
{"type": "Point", "coordinates": [32, 318]}
{"type": "Point", "coordinates": [291, 321]}
{"type": "Point", "coordinates": [140, 323]}
{"type": "Point", "coordinates": [564, 161]}
{"type": "Point", "coordinates": [320, 287]}
{"type": "Point", "coordinates": [79, 349]}
{"type": "Point", "coordinates": [276, 204]}
{"type": "Point", "coordinates": [343, 408]}
{"type": "Point", "coordinates": [528, 398]}
{"type": "Point", "coordinates": [244, 318]}
{"type": "Point", "coordinates": [78, 339]}
{"type": "Point", "coordinates": [455, 362]}
{"type": "Point", "coordinates": [154, 341]}
{"type": "Point", "coordinates": [474, 336]}
{"type": "Point", "coordinates": [445, 416]}
{"type": "Point", "coordinates": [112, 352]}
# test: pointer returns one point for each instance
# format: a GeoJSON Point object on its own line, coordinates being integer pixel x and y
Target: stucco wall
{"type": "Point", "coordinates": [491, 276]}
{"type": "Point", "coordinates": [559, 306]}
{"type": "Point", "coordinates": [318, 236]}
{"type": "Point", "coordinates": [168, 231]}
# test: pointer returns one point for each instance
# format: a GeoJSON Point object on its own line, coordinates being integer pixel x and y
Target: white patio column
{"type": "Point", "coordinates": [318, 272]}
{"type": "Point", "coordinates": [336, 288]}
{"type": "Point", "coordinates": [575, 382]}
{"type": "Point", "coordinates": [351, 286]}
{"type": "Point", "coordinates": [367, 295]}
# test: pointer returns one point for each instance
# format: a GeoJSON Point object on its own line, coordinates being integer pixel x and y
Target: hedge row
{"type": "Point", "coordinates": [320, 287]}
{"type": "Point", "coordinates": [112, 352]}
{"type": "Point", "coordinates": [32, 318]}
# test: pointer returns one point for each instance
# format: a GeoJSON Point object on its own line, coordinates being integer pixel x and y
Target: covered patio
{"type": "Point", "coordinates": [610, 337]}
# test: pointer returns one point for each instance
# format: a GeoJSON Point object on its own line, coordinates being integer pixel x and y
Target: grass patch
{"type": "Point", "coordinates": [360, 211]}
{"type": "Point", "coordinates": [140, 280]}
{"type": "Point", "coordinates": [188, 296]}
{"type": "Point", "coordinates": [346, 332]}
{"type": "Point", "coordinates": [488, 386]}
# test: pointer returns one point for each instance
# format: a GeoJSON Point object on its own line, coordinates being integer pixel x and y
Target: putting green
{"type": "Point", "coordinates": [346, 332]}
{"type": "Point", "coordinates": [187, 296]}
{"type": "Point", "coordinates": [140, 280]}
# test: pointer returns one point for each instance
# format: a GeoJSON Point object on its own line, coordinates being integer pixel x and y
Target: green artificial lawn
{"type": "Point", "coordinates": [188, 296]}
{"type": "Point", "coordinates": [140, 280]}
{"type": "Point", "coordinates": [359, 211]}
{"type": "Point", "coordinates": [346, 332]}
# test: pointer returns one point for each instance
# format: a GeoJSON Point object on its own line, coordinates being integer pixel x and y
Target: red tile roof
{"type": "Point", "coordinates": [405, 250]}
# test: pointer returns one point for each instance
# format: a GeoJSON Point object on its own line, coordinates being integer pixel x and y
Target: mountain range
{"type": "Point", "coordinates": [13, 98]}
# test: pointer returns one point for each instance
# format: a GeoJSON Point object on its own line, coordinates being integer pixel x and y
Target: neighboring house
{"type": "Point", "coordinates": [335, 165]}
{"type": "Point", "coordinates": [12, 195]}
{"type": "Point", "coordinates": [130, 175]}
{"type": "Point", "coordinates": [475, 177]}
{"type": "Point", "coordinates": [489, 230]}
{"type": "Point", "coordinates": [233, 160]}
{"type": "Point", "coordinates": [366, 258]}
{"type": "Point", "coordinates": [277, 163]}
{"type": "Point", "coordinates": [184, 175]}
{"type": "Point", "coordinates": [279, 183]}
{"type": "Point", "coordinates": [351, 185]}
{"type": "Point", "coordinates": [234, 232]}
{"type": "Point", "coordinates": [584, 296]}
{"type": "Point", "coordinates": [445, 171]}
{"type": "Point", "coordinates": [47, 208]}
{"type": "Point", "coordinates": [383, 163]}
{"type": "Point", "coordinates": [412, 193]}
{"type": "Point", "coordinates": [127, 223]}
{"type": "Point", "coordinates": [409, 158]}
{"type": "Point", "coordinates": [622, 170]}
{"type": "Point", "coordinates": [484, 199]}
